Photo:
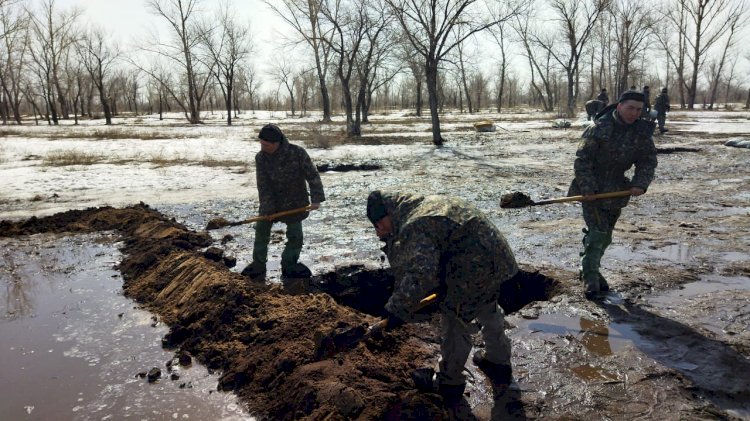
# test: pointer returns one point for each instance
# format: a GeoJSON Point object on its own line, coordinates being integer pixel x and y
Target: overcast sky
{"type": "Point", "coordinates": [130, 21]}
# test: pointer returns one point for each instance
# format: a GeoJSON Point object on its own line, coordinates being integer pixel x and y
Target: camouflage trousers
{"type": "Point", "coordinates": [455, 345]}
{"type": "Point", "coordinates": [292, 250]}
{"type": "Point", "coordinates": [600, 223]}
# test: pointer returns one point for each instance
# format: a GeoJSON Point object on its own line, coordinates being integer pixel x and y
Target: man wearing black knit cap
{"type": "Point", "coordinates": [618, 140]}
{"type": "Point", "coordinates": [283, 172]}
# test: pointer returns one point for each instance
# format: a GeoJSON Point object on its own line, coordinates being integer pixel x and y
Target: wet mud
{"type": "Point", "coordinates": [671, 341]}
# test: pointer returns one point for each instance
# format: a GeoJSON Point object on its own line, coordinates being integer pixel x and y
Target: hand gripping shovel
{"type": "Point", "coordinates": [338, 341]}
{"type": "Point", "coordinates": [221, 222]}
{"type": "Point", "coordinates": [521, 200]}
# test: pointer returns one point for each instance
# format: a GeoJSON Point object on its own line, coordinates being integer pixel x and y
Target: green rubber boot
{"type": "Point", "coordinates": [595, 242]}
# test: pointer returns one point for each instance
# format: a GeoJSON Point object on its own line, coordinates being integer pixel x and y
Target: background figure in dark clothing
{"type": "Point", "coordinates": [603, 97]}
{"type": "Point", "coordinates": [661, 105]}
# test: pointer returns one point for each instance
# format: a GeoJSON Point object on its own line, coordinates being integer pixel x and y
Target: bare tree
{"type": "Point", "coordinates": [499, 34]}
{"type": "Point", "coordinates": [181, 16]}
{"type": "Point", "coordinates": [286, 74]}
{"type": "Point", "coordinates": [98, 57]}
{"type": "Point", "coordinates": [349, 22]}
{"type": "Point", "coordinates": [14, 45]}
{"type": "Point", "coordinates": [465, 92]}
{"type": "Point", "coordinates": [227, 46]}
{"type": "Point", "coordinates": [54, 33]}
{"type": "Point", "coordinates": [704, 26]}
{"type": "Point", "coordinates": [416, 67]}
{"type": "Point", "coordinates": [577, 20]}
{"type": "Point", "coordinates": [540, 60]}
{"type": "Point", "coordinates": [633, 24]}
{"type": "Point", "coordinates": [736, 21]}
{"type": "Point", "coordinates": [371, 55]}
{"type": "Point", "coordinates": [435, 28]}
{"type": "Point", "coordinates": [304, 16]}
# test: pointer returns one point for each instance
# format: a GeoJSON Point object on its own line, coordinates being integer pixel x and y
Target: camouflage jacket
{"type": "Point", "coordinates": [281, 178]}
{"type": "Point", "coordinates": [445, 245]}
{"type": "Point", "coordinates": [661, 105]}
{"type": "Point", "coordinates": [607, 151]}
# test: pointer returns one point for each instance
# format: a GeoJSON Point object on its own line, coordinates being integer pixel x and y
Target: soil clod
{"type": "Point", "coordinates": [515, 200]}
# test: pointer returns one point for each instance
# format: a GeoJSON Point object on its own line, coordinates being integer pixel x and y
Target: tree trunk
{"type": "Point", "coordinates": [419, 98]}
{"type": "Point", "coordinates": [431, 73]}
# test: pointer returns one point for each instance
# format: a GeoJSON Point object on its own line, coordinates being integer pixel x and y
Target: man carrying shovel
{"type": "Point", "coordinates": [618, 140]}
{"type": "Point", "coordinates": [283, 171]}
{"type": "Point", "coordinates": [443, 245]}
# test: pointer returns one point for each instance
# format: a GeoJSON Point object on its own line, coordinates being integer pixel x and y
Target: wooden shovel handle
{"type": "Point", "coordinates": [271, 217]}
{"type": "Point", "coordinates": [609, 195]}
{"type": "Point", "coordinates": [422, 304]}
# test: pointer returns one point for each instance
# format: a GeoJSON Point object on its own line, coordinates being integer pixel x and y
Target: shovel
{"type": "Point", "coordinates": [521, 200]}
{"type": "Point", "coordinates": [221, 222]}
{"type": "Point", "coordinates": [335, 342]}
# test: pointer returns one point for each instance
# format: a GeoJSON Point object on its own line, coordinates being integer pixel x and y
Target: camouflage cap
{"type": "Point", "coordinates": [271, 133]}
{"type": "Point", "coordinates": [376, 207]}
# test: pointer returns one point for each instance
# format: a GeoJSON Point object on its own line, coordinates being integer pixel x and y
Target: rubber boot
{"type": "Point", "coordinates": [603, 285]}
{"type": "Point", "coordinates": [594, 244]}
{"type": "Point", "coordinates": [293, 247]}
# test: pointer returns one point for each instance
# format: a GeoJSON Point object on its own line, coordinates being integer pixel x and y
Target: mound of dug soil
{"type": "Point", "coordinates": [262, 339]}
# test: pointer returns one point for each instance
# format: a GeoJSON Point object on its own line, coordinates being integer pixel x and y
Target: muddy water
{"type": "Point", "coordinates": [72, 345]}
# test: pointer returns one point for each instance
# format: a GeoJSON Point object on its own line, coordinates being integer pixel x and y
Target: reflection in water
{"type": "Point", "coordinates": [591, 373]}
{"type": "Point", "coordinates": [595, 337]}
{"type": "Point", "coordinates": [72, 344]}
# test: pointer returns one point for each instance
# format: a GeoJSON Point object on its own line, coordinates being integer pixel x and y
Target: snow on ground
{"type": "Point", "coordinates": [169, 162]}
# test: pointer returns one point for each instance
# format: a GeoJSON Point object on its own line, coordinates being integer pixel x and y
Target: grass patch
{"type": "Point", "coordinates": [100, 133]}
{"type": "Point", "coordinates": [66, 158]}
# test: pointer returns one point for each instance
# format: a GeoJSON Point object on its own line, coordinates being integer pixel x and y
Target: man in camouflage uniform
{"type": "Point", "coordinates": [616, 141]}
{"type": "Point", "coordinates": [283, 171]}
{"type": "Point", "coordinates": [661, 105]}
{"type": "Point", "coordinates": [445, 245]}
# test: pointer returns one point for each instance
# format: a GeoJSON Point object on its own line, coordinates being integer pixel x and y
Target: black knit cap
{"type": "Point", "coordinates": [271, 133]}
{"type": "Point", "coordinates": [375, 207]}
{"type": "Point", "coordinates": [632, 95]}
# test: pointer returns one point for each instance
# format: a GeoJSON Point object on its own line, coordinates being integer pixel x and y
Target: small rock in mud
{"type": "Point", "coordinates": [515, 200]}
{"type": "Point", "coordinates": [214, 253]}
{"type": "Point", "coordinates": [142, 374]}
{"type": "Point", "coordinates": [185, 359]}
{"type": "Point", "coordinates": [230, 261]}
{"type": "Point", "coordinates": [154, 374]}
{"type": "Point", "coordinates": [227, 238]}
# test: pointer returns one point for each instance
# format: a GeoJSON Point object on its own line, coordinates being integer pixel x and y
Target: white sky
{"type": "Point", "coordinates": [130, 21]}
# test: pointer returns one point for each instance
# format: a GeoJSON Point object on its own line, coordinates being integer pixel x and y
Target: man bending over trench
{"type": "Point", "coordinates": [445, 245]}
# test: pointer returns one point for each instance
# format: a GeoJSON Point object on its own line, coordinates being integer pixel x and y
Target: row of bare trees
{"type": "Point", "coordinates": [351, 54]}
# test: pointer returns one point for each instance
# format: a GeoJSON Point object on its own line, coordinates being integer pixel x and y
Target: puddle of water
{"type": "Point", "coordinates": [597, 337]}
{"type": "Point", "coordinates": [675, 253]}
{"type": "Point", "coordinates": [707, 284]}
{"type": "Point", "coordinates": [72, 345]}
{"type": "Point", "coordinates": [593, 374]}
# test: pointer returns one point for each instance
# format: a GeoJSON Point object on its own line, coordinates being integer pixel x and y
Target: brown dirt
{"type": "Point", "coordinates": [262, 339]}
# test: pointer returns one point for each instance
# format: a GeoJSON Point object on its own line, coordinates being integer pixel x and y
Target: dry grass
{"type": "Point", "coordinates": [100, 133]}
{"type": "Point", "coordinates": [66, 158]}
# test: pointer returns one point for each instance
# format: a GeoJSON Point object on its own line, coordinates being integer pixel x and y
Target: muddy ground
{"type": "Point", "coordinates": [671, 343]}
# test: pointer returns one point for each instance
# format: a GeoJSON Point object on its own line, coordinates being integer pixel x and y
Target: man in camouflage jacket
{"type": "Point", "coordinates": [616, 141]}
{"type": "Point", "coordinates": [661, 105]}
{"type": "Point", "coordinates": [283, 172]}
{"type": "Point", "coordinates": [443, 244]}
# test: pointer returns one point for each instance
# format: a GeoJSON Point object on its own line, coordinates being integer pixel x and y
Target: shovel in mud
{"type": "Point", "coordinates": [338, 341]}
{"type": "Point", "coordinates": [522, 200]}
{"type": "Point", "coordinates": [221, 222]}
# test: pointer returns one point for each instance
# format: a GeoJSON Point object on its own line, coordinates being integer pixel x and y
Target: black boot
{"type": "Point", "coordinates": [255, 270]}
{"type": "Point", "coordinates": [498, 373]}
{"type": "Point", "coordinates": [297, 270]}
